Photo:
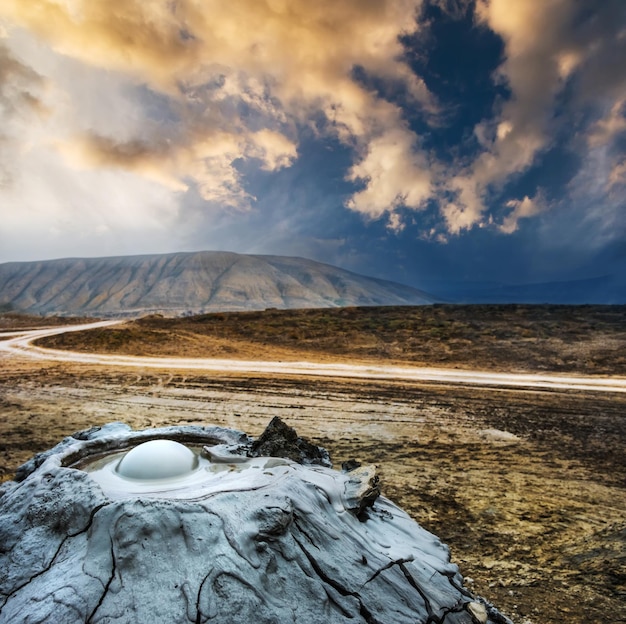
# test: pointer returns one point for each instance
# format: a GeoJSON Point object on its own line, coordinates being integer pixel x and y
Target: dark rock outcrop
{"type": "Point", "coordinates": [281, 440]}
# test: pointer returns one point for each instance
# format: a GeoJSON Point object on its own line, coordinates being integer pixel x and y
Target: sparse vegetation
{"type": "Point", "coordinates": [536, 517]}
{"type": "Point", "coordinates": [14, 320]}
{"type": "Point", "coordinates": [581, 339]}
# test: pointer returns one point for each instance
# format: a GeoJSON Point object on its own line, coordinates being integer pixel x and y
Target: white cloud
{"type": "Point", "coordinates": [521, 209]}
{"type": "Point", "coordinates": [606, 129]}
{"type": "Point", "coordinates": [540, 62]}
{"type": "Point", "coordinates": [395, 175]}
{"type": "Point", "coordinates": [395, 223]}
{"type": "Point", "coordinates": [617, 177]}
{"type": "Point", "coordinates": [61, 211]}
{"type": "Point", "coordinates": [537, 63]}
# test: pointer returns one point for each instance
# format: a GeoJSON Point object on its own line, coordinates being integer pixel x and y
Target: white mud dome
{"type": "Point", "coordinates": [203, 529]}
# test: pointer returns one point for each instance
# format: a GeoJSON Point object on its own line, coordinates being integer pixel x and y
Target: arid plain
{"type": "Point", "coordinates": [526, 486]}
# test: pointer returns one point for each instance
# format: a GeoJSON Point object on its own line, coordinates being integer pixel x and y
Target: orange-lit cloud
{"type": "Point", "coordinates": [395, 174]}
{"type": "Point", "coordinates": [207, 160]}
{"type": "Point", "coordinates": [538, 62]}
{"type": "Point", "coordinates": [617, 176]}
{"type": "Point", "coordinates": [610, 126]}
{"type": "Point", "coordinates": [287, 61]}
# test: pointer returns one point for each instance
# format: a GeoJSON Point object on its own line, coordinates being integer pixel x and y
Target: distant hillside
{"type": "Point", "coordinates": [605, 290]}
{"type": "Point", "coordinates": [189, 283]}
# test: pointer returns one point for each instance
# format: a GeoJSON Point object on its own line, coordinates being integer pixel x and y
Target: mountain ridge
{"type": "Point", "coordinates": [190, 283]}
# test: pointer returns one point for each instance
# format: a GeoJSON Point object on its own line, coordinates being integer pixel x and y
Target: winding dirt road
{"type": "Point", "coordinates": [21, 343]}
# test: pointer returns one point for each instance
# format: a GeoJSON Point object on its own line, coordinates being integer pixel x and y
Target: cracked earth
{"type": "Point", "coordinates": [526, 487]}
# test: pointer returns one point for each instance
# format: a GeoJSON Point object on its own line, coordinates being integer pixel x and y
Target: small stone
{"type": "Point", "coordinates": [361, 489]}
{"type": "Point", "coordinates": [349, 465]}
{"type": "Point", "coordinates": [478, 612]}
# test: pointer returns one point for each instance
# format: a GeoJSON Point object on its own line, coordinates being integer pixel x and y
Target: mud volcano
{"type": "Point", "coordinates": [204, 524]}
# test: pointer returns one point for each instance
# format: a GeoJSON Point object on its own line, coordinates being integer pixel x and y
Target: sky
{"type": "Point", "coordinates": [422, 141]}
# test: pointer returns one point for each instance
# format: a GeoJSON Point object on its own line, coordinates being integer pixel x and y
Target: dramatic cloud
{"type": "Point", "coordinates": [208, 162]}
{"type": "Point", "coordinates": [20, 105]}
{"type": "Point", "coordinates": [395, 174]}
{"type": "Point", "coordinates": [605, 130]}
{"type": "Point", "coordinates": [19, 87]}
{"type": "Point", "coordinates": [540, 64]}
{"type": "Point", "coordinates": [296, 120]}
{"type": "Point", "coordinates": [617, 177]}
{"type": "Point", "coordinates": [241, 78]}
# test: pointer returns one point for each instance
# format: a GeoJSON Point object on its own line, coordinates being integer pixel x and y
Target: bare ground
{"type": "Point", "coordinates": [527, 487]}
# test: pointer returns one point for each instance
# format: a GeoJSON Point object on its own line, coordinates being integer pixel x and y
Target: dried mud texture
{"type": "Point", "coordinates": [222, 543]}
{"type": "Point", "coordinates": [528, 488]}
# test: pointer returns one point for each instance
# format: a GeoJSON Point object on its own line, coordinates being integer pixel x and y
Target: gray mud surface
{"type": "Point", "coordinates": [528, 488]}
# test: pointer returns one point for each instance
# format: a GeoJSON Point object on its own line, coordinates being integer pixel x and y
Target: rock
{"type": "Point", "coordinates": [497, 435]}
{"type": "Point", "coordinates": [281, 440]}
{"type": "Point", "coordinates": [478, 612]}
{"type": "Point", "coordinates": [262, 540]}
{"type": "Point", "coordinates": [349, 465]}
{"type": "Point", "coordinates": [361, 489]}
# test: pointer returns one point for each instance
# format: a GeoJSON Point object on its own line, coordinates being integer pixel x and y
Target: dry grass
{"type": "Point", "coordinates": [10, 321]}
{"type": "Point", "coordinates": [515, 338]}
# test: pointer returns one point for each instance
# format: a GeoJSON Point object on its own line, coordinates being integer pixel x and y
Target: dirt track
{"type": "Point", "coordinates": [527, 487]}
{"type": "Point", "coordinates": [24, 344]}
